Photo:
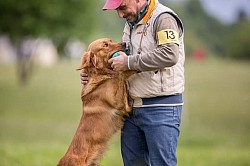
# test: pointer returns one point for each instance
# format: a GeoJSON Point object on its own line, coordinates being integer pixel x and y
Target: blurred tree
{"type": "Point", "coordinates": [111, 25]}
{"type": "Point", "coordinates": [237, 45]}
{"type": "Point", "coordinates": [202, 30]}
{"type": "Point", "coordinates": [58, 20]}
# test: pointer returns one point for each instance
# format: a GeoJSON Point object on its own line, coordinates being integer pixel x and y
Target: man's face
{"type": "Point", "coordinates": [128, 10]}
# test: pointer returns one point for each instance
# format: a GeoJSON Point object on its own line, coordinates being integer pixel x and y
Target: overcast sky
{"type": "Point", "coordinates": [225, 11]}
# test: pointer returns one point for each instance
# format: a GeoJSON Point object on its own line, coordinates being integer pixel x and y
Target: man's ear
{"type": "Point", "coordinates": [86, 60]}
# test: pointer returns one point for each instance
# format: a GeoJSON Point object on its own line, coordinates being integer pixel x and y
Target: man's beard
{"type": "Point", "coordinates": [130, 18]}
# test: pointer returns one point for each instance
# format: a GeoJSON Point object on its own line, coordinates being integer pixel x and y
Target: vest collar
{"type": "Point", "coordinates": [152, 5]}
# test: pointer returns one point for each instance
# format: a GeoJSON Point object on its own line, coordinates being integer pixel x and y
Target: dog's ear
{"type": "Point", "coordinates": [97, 62]}
{"type": "Point", "coordinates": [86, 61]}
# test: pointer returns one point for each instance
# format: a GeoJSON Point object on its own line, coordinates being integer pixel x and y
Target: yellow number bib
{"type": "Point", "coordinates": [167, 36]}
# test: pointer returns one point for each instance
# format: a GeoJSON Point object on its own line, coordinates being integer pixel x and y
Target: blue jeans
{"type": "Point", "coordinates": [150, 136]}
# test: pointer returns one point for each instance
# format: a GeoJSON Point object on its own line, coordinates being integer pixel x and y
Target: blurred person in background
{"type": "Point", "coordinates": [154, 37]}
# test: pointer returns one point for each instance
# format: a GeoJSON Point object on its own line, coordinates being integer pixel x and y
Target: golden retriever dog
{"type": "Point", "coordinates": [105, 103]}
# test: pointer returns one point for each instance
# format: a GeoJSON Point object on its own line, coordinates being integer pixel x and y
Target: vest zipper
{"type": "Point", "coordinates": [131, 44]}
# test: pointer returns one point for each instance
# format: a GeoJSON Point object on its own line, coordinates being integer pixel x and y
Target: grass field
{"type": "Point", "coordinates": [38, 121]}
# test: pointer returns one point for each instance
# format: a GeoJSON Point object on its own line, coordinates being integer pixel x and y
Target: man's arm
{"type": "Point", "coordinates": [167, 52]}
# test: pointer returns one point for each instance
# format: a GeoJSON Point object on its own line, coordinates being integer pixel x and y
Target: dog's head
{"type": "Point", "coordinates": [98, 54]}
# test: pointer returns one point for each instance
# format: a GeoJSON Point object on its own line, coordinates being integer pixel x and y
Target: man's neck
{"type": "Point", "coordinates": [140, 14]}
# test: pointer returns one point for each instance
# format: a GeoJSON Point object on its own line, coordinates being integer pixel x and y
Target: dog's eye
{"type": "Point", "coordinates": [105, 45]}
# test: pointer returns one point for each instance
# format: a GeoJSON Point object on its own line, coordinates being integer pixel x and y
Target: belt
{"type": "Point", "coordinates": [171, 100]}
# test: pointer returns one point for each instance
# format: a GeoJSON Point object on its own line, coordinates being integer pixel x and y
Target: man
{"type": "Point", "coordinates": [154, 35]}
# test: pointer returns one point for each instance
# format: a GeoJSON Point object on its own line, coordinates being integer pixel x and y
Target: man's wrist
{"type": "Point", "coordinates": [131, 64]}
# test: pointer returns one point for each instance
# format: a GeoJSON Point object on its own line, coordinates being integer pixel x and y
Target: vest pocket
{"type": "Point", "coordinates": [167, 79]}
{"type": "Point", "coordinates": [157, 80]}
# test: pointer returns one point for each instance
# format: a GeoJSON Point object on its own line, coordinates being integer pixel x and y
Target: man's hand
{"type": "Point", "coordinates": [119, 63]}
{"type": "Point", "coordinates": [84, 78]}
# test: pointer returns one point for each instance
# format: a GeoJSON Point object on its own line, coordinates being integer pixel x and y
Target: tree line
{"type": "Point", "coordinates": [61, 20]}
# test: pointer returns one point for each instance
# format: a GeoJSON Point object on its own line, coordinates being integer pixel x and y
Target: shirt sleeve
{"type": "Point", "coordinates": [166, 54]}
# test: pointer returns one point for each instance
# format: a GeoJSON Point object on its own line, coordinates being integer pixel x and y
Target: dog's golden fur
{"type": "Point", "coordinates": [105, 102]}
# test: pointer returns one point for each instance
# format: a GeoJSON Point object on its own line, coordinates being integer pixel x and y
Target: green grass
{"type": "Point", "coordinates": [38, 121]}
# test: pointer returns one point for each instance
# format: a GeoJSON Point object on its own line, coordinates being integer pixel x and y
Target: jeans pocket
{"type": "Point", "coordinates": [154, 116]}
{"type": "Point", "coordinates": [177, 114]}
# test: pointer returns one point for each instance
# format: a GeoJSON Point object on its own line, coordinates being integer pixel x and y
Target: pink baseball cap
{"type": "Point", "coordinates": [112, 4]}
